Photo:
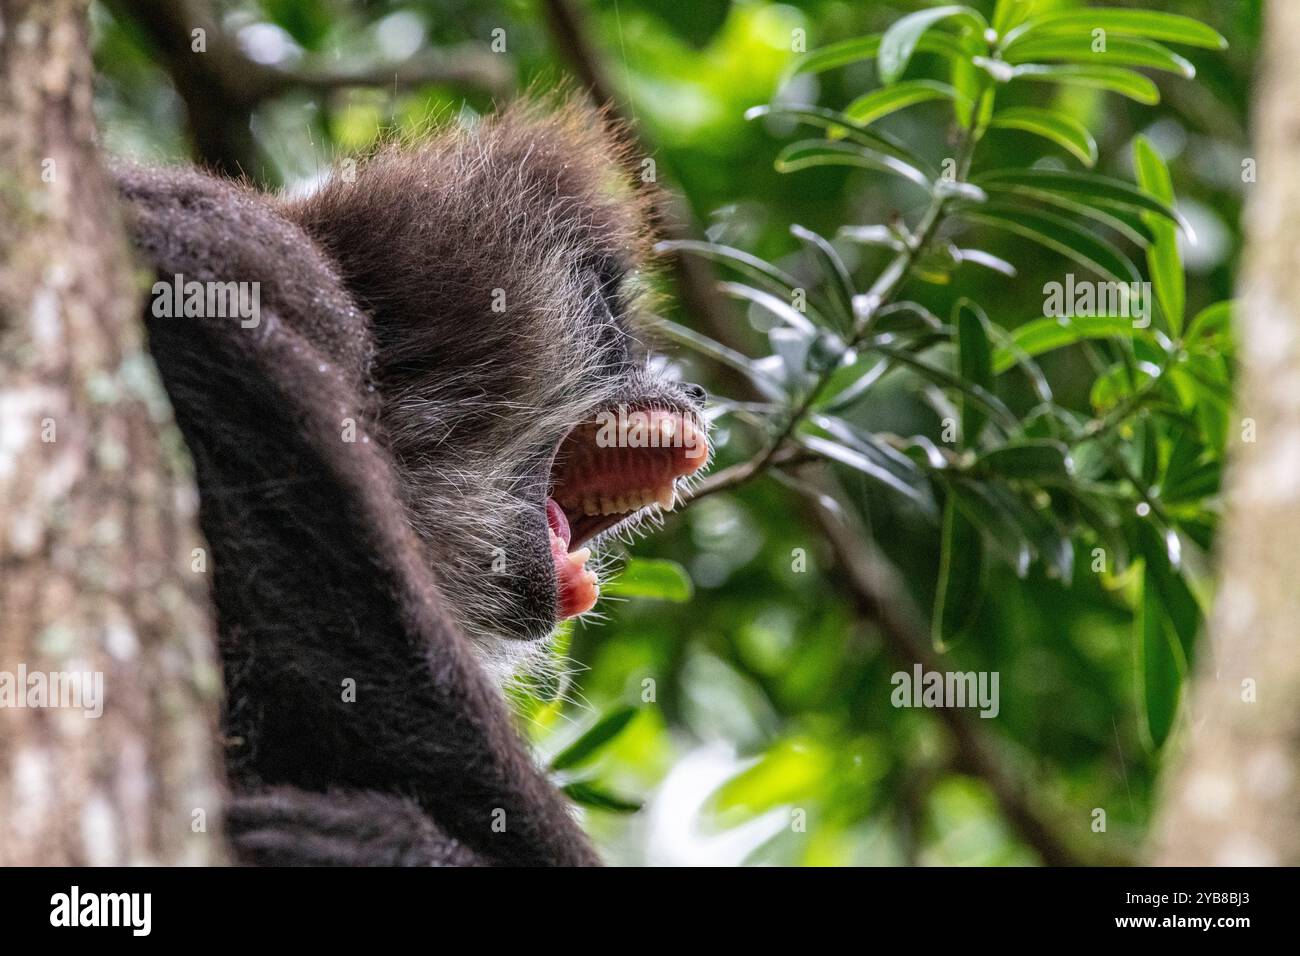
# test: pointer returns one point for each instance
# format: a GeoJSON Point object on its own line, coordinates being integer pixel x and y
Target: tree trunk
{"type": "Point", "coordinates": [96, 503]}
{"type": "Point", "coordinates": [1236, 797]}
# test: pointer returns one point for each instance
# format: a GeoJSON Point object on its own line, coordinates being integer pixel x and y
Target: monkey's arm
{"type": "Point", "coordinates": [285, 826]}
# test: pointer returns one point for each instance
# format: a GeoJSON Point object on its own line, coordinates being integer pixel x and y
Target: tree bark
{"type": "Point", "coordinates": [1235, 797]}
{"type": "Point", "coordinates": [96, 502]}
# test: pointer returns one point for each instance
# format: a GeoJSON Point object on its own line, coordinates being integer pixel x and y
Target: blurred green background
{"type": "Point", "coordinates": [762, 729]}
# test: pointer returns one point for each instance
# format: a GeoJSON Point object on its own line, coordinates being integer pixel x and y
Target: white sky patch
{"type": "Point", "coordinates": [675, 835]}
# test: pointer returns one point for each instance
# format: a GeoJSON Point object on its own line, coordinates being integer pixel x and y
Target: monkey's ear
{"type": "Point", "coordinates": [342, 668]}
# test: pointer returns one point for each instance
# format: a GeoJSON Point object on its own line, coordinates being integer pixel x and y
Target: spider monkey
{"type": "Point", "coordinates": [401, 464]}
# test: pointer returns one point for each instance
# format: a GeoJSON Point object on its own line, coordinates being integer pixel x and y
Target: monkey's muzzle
{"type": "Point", "coordinates": [610, 473]}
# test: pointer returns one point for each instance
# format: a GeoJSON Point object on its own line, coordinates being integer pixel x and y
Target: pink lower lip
{"type": "Point", "coordinates": [576, 590]}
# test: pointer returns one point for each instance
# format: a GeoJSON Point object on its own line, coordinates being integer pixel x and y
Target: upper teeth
{"type": "Point", "coordinates": [593, 504]}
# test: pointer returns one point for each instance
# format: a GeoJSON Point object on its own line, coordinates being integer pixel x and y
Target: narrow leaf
{"type": "Point", "coordinates": [1213, 320]}
{"type": "Point", "coordinates": [856, 49]}
{"type": "Point", "coordinates": [1038, 460]}
{"type": "Point", "coordinates": [1119, 51]}
{"type": "Point", "coordinates": [587, 794]}
{"type": "Point", "coordinates": [975, 360]}
{"type": "Point", "coordinates": [652, 578]}
{"type": "Point", "coordinates": [846, 128]}
{"type": "Point", "coordinates": [1113, 79]}
{"type": "Point", "coordinates": [970, 391]}
{"type": "Point", "coordinates": [1124, 221]}
{"type": "Point", "coordinates": [590, 744]}
{"type": "Point", "coordinates": [866, 464]}
{"type": "Point", "coordinates": [1009, 14]}
{"type": "Point", "coordinates": [765, 383]}
{"type": "Point", "coordinates": [779, 307]}
{"type": "Point", "coordinates": [815, 152]}
{"type": "Point", "coordinates": [960, 590]}
{"type": "Point", "coordinates": [1059, 234]}
{"type": "Point", "coordinates": [870, 107]}
{"type": "Point", "coordinates": [1160, 669]}
{"type": "Point", "coordinates": [839, 285]}
{"type": "Point", "coordinates": [1088, 186]}
{"type": "Point", "coordinates": [1044, 335]}
{"type": "Point", "coordinates": [1164, 261]}
{"type": "Point", "coordinates": [1151, 24]}
{"type": "Point", "coordinates": [1060, 128]}
{"type": "Point", "coordinates": [901, 39]}
{"type": "Point", "coordinates": [988, 261]}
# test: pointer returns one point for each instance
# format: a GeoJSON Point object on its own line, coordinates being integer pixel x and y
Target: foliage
{"type": "Point", "coordinates": [1136, 476]}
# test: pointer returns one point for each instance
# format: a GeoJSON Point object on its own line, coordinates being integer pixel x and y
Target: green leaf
{"type": "Point", "coordinates": [981, 258]}
{"type": "Point", "coordinates": [1037, 460]}
{"type": "Point", "coordinates": [680, 334]}
{"type": "Point", "coordinates": [1087, 186]}
{"type": "Point", "coordinates": [652, 578]}
{"type": "Point", "coordinates": [1166, 665]}
{"type": "Point", "coordinates": [1164, 261]}
{"type": "Point", "coordinates": [1061, 235]}
{"type": "Point", "coordinates": [960, 590]}
{"type": "Point", "coordinates": [1113, 79]}
{"type": "Point", "coordinates": [975, 362]}
{"type": "Point", "coordinates": [588, 794]}
{"type": "Point", "coordinates": [1044, 335]}
{"type": "Point", "coordinates": [1009, 14]}
{"type": "Point", "coordinates": [1160, 669]}
{"type": "Point", "coordinates": [1150, 24]}
{"type": "Point", "coordinates": [1212, 321]}
{"type": "Point", "coordinates": [839, 285]}
{"type": "Point", "coordinates": [970, 391]}
{"type": "Point", "coordinates": [870, 107]}
{"type": "Point", "coordinates": [850, 382]}
{"type": "Point", "coordinates": [747, 265]}
{"type": "Point", "coordinates": [1064, 130]}
{"type": "Point", "coordinates": [1124, 221]}
{"type": "Point", "coordinates": [777, 306]}
{"type": "Point", "coordinates": [870, 463]}
{"type": "Point", "coordinates": [785, 774]}
{"type": "Point", "coordinates": [599, 736]}
{"type": "Point", "coordinates": [873, 236]}
{"type": "Point", "coordinates": [878, 140]}
{"type": "Point", "coordinates": [900, 40]}
{"type": "Point", "coordinates": [1119, 51]}
{"type": "Point", "coordinates": [815, 152]}
{"type": "Point", "coordinates": [1003, 342]}
{"type": "Point", "coordinates": [967, 81]}
{"type": "Point", "coordinates": [856, 49]}
{"type": "Point", "coordinates": [1191, 473]}
{"type": "Point", "coordinates": [1003, 519]}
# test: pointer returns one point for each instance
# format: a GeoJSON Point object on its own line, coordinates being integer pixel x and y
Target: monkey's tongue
{"type": "Point", "coordinates": [576, 586]}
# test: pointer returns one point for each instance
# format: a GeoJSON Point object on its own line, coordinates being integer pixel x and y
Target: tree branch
{"type": "Point", "coordinates": [221, 86]}
{"type": "Point", "coordinates": [881, 597]}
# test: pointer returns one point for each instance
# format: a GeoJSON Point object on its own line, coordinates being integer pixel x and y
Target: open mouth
{"type": "Point", "coordinates": [609, 473]}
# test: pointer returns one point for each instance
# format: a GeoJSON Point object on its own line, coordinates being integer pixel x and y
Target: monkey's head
{"type": "Point", "coordinates": [502, 267]}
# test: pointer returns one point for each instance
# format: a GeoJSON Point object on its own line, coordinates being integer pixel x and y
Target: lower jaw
{"type": "Point", "coordinates": [576, 587]}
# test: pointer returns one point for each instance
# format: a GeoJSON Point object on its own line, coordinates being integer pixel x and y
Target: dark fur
{"type": "Point", "coordinates": [335, 560]}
